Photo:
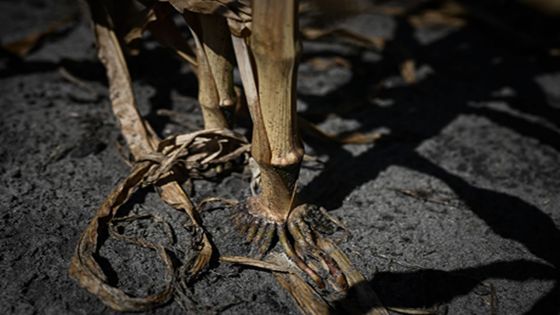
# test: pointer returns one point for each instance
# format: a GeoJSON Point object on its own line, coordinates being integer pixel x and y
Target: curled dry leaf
{"type": "Point", "coordinates": [154, 160]}
{"type": "Point", "coordinates": [86, 269]}
{"type": "Point", "coordinates": [194, 150]}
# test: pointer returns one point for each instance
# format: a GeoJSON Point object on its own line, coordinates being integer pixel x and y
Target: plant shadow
{"type": "Point", "coordinates": [467, 70]}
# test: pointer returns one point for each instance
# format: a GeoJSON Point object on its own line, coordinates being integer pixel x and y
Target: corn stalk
{"type": "Point", "coordinates": [276, 145]}
{"type": "Point", "coordinates": [267, 62]}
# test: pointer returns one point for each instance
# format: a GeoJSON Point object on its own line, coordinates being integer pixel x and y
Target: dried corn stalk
{"type": "Point", "coordinates": [157, 162]}
{"type": "Point", "coordinates": [267, 63]}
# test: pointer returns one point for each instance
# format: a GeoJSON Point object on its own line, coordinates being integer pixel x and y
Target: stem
{"type": "Point", "coordinates": [217, 45]}
{"type": "Point", "coordinates": [207, 91]}
{"type": "Point", "coordinates": [276, 145]}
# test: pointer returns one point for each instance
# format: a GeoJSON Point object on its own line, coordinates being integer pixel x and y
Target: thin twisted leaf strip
{"type": "Point", "coordinates": [191, 150]}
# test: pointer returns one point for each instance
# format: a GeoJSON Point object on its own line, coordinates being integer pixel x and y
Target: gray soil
{"type": "Point", "coordinates": [457, 206]}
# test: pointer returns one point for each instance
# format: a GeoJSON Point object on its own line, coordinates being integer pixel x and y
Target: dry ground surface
{"type": "Point", "coordinates": [457, 206]}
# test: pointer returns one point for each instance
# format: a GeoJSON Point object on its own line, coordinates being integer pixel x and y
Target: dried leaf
{"type": "Point", "coordinates": [449, 14]}
{"type": "Point", "coordinates": [89, 274]}
{"type": "Point", "coordinates": [361, 137]}
{"type": "Point", "coordinates": [417, 311]}
{"type": "Point", "coordinates": [23, 46]}
{"type": "Point", "coordinates": [247, 74]}
{"type": "Point", "coordinates": [142, 141]}
{"type": "Point", "coordinates": [367, 299]}
{"type": "Point", "coordinates": [120, 87]}
{"type": "Point", "coordinates": [408, 71]}
{"type": "Point", "coordinates": [376, 43]}
{"type": "Point", "coordinates": [240, 260]}
{"type": "Point", "coordinates": [128, 18]}
{"type": "Point", "coordinates": [135, 22]}
{"type": "Point", "coordinates": [173, 194]}
{"type": "Point", "coordinates": [85, 268]}
{"type": "Point", "coordinates": [326, 63]}
{"type": "Point", "coordinates": [307, 299]}
{"type": "Point", "coordinates": [310, 129]}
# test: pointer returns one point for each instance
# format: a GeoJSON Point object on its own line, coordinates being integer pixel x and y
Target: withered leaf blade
{"type": "Point", "coordinates": [247, 261]}
{"type": "Point", "coordinates": [87, 271]}
{"type": "Point", "coordinates": [120, 87]}
{"type": "Point", "coordinates": [141, 141]}
{"type": "Point", "coordinates": [366, 299]}
{"type": "Point", "coordinates": [307, 299]}
{"type": "Point", "coordinates": [132, 19]}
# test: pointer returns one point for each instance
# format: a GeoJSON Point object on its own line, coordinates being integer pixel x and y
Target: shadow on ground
{"type": "Point", "coordinates": [484, 65]}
